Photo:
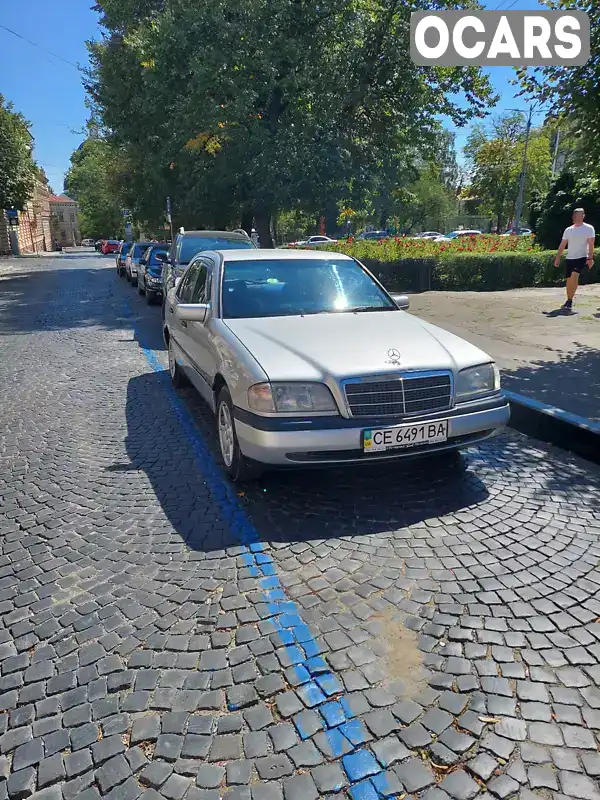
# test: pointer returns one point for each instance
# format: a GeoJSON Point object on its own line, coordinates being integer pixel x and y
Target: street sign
{"type": "Point", "coordinates": [128, 232]}
{"type": "Point", "coordinates": [12, 213]}
{"type": "Point", "coordinates": [126, 212]}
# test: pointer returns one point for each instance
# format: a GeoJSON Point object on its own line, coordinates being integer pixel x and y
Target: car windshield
{"type": "Point", "coordinates": [291, 287]}
{"type": "Point", "coordinates": [192, 245]}
{"type": "Point", "coordinates": [125, 248]}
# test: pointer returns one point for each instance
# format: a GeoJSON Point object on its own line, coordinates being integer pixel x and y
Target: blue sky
{"type": "Point", "coordinates": [49, 92]}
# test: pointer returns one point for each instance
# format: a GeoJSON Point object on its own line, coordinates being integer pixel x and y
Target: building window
{"type": "Point", "coordinates": [73, 217]}
{"type": "Point", "coordinates": [61, 216]}
{"type": "Point", "coordinates": [63, 235]}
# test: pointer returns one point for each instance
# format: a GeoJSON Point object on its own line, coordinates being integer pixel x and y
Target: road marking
{"type": "Point", "coordinates": [319, 685]}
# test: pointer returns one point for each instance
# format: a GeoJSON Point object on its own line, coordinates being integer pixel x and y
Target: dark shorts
{"type": "Point", "coordinates": [574, 265]}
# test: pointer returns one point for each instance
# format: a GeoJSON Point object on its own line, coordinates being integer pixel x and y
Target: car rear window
{"type": "Point", "coordinates": [139, 249]}
{"type": "Point", "coordinates": [154, 262]}
{"type": "Point", "coordinates": [192, 245]}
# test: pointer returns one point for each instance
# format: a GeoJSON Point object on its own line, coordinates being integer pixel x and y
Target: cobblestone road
{"type": "Point", "coordinates": [409, 631]}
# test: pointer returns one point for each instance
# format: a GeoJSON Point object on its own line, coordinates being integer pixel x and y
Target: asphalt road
{"type": "Point", "coordinates": [416, 630]}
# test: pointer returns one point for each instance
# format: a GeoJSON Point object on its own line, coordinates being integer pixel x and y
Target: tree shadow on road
{"type": "Point", "coordinates": [96, 298]}
{"type": "Point", "coordinates": [571, 383]}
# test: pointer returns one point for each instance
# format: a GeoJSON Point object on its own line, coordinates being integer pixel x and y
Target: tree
{"type": "Point", "coordinates": [266, 106]}
{"type": "Point", "coordinates": [572, 92]}
{"type": "Point", "coordinates": [17, 167]}
{"type": "Point", "coordinates": [496, 161]}
{"type": "Point", "coordinates": [96, 179]}
{"type": "Point", "coordinates": [555, 211]}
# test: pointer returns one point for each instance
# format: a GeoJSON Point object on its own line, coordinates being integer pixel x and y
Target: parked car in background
{"type": "Point", "coordinates": [87, 242]}
{"type": "Point", "coordinates": [110, 246]}
{"type": "Point", "coordinates": [149, 276]}
{"type": "Point", "coordinates": [311, 240]}
{"type": "Point", "coordinates": [307, 360]}
{"type": "Point", "coordinates": [428, 235]}
{"type": "Point", "coordinates": [457, 235]}
{"type": "Point", "coordinates": [374, 235]}
{"type": "Point", "coordinates": [121, 256]}
{"type": "Point", "coordinates": [188, 243]}
{"type": "Point", "coordinates": [519, 232]}
{"type": "Point", "coordinates": [132, 260]}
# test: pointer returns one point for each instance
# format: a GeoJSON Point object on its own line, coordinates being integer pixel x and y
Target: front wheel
{"type": "Point", "coordinates": [237, 466]}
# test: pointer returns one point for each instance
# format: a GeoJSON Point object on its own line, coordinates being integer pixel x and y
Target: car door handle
{"type": "Point", "coordinates": [183, 323]}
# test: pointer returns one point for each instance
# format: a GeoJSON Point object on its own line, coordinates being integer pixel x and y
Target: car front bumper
{"type": "Point", "coordinates": [339, 445]}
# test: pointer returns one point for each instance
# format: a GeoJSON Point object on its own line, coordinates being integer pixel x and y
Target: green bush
{"type": "Point", "coordinates": [475, 271]}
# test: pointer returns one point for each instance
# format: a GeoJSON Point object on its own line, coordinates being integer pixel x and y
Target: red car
{"type": "Point", "coordinates": [110, 246]}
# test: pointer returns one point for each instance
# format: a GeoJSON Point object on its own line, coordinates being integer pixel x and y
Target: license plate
{"type": "Point", "coordinates": [377, 440]}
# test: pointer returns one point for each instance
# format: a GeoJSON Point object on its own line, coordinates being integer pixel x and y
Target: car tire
{"type": "Point", "coordinates": [239, 468]}
{"type": "Point", "coordinates": [134, 281]}
{"type": "Point", "coordinates": [127, 277]}
{"type": "Point", "coordinates": [141, 290]}
{"type": "Point", "coordinates": [178, 379]}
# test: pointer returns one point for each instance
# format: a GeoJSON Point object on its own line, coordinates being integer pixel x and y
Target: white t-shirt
{"type": "Point", "coordinates": [577, 237]}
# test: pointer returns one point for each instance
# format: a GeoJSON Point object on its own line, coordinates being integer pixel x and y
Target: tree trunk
{"type": "Point", "coordinates": [262, 220]}
{"type": "Point", "coordinates": [247, 218]}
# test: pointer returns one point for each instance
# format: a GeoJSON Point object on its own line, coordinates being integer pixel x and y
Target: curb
{"type": "Point", "coordinates": [550, 424]}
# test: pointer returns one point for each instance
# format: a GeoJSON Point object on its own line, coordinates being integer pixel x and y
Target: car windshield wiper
{"type": "Point", "coordinates": [360, 309]}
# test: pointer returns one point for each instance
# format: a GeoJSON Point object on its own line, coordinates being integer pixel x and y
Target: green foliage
{"type": "Point", "coordinates": [572, 92]}
{"type": "Point", "coordinates": [555, 211]}
{"type": "Point", "coordinates": [95, 180]}
{"type": "Point", "coordinates": [17, 168]}
{"type": "Point", "coordinates": [497, 161]}
{"type": "Point", "coordinates": [267, 105]}
{"type": "Point", "coordinates": [475, 271]}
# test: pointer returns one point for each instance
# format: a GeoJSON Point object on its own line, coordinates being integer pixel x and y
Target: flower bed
{"type": "Point", "coordinates": [509, 262]}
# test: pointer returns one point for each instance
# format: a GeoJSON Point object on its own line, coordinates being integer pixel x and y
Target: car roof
{"type": "Point", "coordinates": [215, 234]}
{"type": "Point", "coordinates": [277, 255]}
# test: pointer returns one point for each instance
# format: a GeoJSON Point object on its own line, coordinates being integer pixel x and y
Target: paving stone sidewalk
{"type": "Point", "coordinates": [544, 354]}
{"type": "Point", "coordinates": [414, 631]}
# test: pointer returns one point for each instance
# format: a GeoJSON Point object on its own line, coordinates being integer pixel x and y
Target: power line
{"type": "Point", "coordinates": [43, 49]}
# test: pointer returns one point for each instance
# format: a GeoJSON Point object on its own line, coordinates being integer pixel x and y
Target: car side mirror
{"type": "Point", "coordinates": [192, 312]}
{"type": "Point", "coordinates": [160, 257]}
{"type": "Point", "coordinates": [143, 262]}
{"type": "Point", "coordinates": [401, 301]}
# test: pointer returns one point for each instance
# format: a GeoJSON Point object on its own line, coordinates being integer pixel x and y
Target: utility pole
{"type": "Point", "coordinates": [519, 210]}
{"type": "Point", "coordinates": [555, 159]}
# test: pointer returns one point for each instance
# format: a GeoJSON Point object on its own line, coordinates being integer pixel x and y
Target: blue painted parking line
{"type": "Point", "coordinates": [316, 686]}
{"type": "Point", "coordinates": [552, 411]}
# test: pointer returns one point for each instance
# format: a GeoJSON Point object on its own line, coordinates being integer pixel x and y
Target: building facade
{"type": "Point", "coordinates": [65, 223]}
{"type": "Point", "coordinates": [32, 232]}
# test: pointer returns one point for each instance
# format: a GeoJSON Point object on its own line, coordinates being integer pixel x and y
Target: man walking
{"type": "Point", "coordinates": [578, 240]}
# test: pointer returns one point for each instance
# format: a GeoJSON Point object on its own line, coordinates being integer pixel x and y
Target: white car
{"type": "Point", "coordinates": [306, 360]}
{"type": "Point", "coordinates": [312, 240]}
{"type": "Point", "coordinates": [457, 235]}
{"type": "Point", "coordinates": [428, 235]}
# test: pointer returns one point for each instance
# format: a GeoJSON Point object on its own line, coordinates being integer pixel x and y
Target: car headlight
{"type": "Point", "coordinates": [267, 398]}
{"type": "Point", "coordinates": [152, 278]}
{"type": "Point", "coordinates": [477, 381]}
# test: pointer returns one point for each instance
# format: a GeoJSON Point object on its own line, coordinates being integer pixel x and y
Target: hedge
{"type": "Point", "coordinates": [475, 271]}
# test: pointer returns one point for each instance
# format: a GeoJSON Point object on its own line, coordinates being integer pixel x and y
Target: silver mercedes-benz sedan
{"type": "Point", "coordinates": [307, 360]}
